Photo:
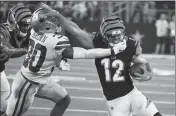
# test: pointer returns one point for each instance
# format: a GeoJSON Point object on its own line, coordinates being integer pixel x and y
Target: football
{"type": "Point", "coordinates": [136, 68]}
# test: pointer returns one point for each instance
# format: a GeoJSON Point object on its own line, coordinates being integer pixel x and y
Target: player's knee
{"type": "Point", "coordinates": [66, 100]}
{"type": "Point", "coordinates": [4, 99]}
{"type": "Point", "coordinates": [157, 114]}
{"type": "Point", "coordinates": [149, 109]}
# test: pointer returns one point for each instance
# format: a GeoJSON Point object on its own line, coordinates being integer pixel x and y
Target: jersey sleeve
{"type": "Point", "coordinates": [61, 45]}
{"type": "Point", "coordinates": [95, 39]}
{"type": "Point", "coordinates": [68, 53]}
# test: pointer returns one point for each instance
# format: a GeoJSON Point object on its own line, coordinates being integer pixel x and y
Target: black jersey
{"type": "Point", "coordinates": [114, 71]}
{"type": "Point", "coordinates": [4, 38]}
{"type": "Point", "coordinates": [10, 39]}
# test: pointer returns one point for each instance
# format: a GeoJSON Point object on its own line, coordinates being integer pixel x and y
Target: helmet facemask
{"type": "Point", "coordinates": [23, 27]}
{"type": "Point", "coordinates": [115, 36]}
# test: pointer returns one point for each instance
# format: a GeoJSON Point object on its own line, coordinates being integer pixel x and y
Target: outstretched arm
{"type": "Point", "coordinates": [81, 53]}
{"type": "Point", "coordinates": [80, 37]}
{"type": "Point", "coordinates": [12, 52]}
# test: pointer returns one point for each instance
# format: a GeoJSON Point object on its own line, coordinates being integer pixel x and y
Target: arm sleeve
{"type": "Point", "coordinates": [13, 52]}
{"type": "Point", "coordinates": [68, 53]}
{"type": "Point", "coordinates": [81, 53]}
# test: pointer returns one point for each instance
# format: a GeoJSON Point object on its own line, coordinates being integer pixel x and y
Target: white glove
{"type": "Point", "coordinates": [64, 66]}
{"type": "Point", "coordinates": [119, 47]}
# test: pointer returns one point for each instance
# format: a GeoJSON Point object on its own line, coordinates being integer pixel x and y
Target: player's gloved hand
{"type": "Point", "coordinates": [143, 77]}
{"type": "Point", "coordinates": [64, 65]}
{"type": "Point", "coordinates": [119, 47]}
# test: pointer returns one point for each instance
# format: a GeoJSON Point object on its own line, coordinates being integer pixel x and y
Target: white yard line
{"type": "Point", "coordinates": [100, 89]}
{"type": "Point", "coordinates": [83, 80]}
{"type": "Point", "coordinates": [102, 99]}
{"type": "Point", "coordinates": [81, 110]}
{"type": "Point", "coordinates": [71, 110]}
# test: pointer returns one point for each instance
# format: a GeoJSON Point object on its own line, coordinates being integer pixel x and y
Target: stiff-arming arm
{"type": "Point", "coordinates": [81, 53]}
{"type": "Point", "coordinates": [81, 37]}
{"type": "Point", "coordinates": [12, 52]}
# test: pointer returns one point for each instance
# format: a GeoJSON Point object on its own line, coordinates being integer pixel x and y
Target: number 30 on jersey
{"type": "Point", "coordinates": [118, 65]}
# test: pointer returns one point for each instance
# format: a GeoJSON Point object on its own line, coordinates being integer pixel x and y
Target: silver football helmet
{"type": "Point", "coordinates": [43, 24]}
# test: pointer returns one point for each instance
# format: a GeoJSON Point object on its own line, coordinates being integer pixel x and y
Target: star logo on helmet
{"type": "Point", "coordinates": [28, 20]}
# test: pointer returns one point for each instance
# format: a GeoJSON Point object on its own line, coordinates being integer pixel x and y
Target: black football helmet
{"type": "Point", "coordinates": [112, 29]}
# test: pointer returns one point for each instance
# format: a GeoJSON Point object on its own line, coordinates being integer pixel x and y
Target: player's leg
{"type": "Point", "coordinates": [158, 45]}
{"type": "Point", "coordinates": [54, 92]}
{"type": "Point", "coordinates": [142, 105]}
{"type": "Point", "coordinates": [163, 45]}
{"type": "Point", "coordinates": [5, 92]}
{"type": "Point", "coordinates": [172, 43]}
{"type": "Point", "coordinates": [119, 106]}
{"type": "Point", "coordinates": [21, 97]}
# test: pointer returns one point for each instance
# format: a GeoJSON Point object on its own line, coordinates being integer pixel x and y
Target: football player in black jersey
{"type": "Point", "coordinates": [13, 43]}
{"type": "Point", "coordinates": [122, 96]}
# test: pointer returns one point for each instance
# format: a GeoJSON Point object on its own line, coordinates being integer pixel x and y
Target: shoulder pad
{"type": "Point", "coordinates": [62, 37]}
{"type": "Point", "coordinates": [56, 36]}
{"type": "Point", "coordinates": [63, 42]}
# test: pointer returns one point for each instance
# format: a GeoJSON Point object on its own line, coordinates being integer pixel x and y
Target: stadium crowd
{"type": "Point", "coordinates": [146, 12]}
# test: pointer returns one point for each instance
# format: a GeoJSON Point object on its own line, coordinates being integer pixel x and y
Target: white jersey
{"type": "Point", "coordinates": [44, 53]}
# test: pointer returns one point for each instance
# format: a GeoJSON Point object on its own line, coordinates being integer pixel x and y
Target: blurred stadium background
{"type": "Point", "coordinates": [139, 16]}
{"type": "Point", "coordinates": [82, 81]}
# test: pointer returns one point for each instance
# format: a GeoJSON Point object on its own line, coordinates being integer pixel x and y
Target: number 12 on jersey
{"type": "Point", "coordinates": [118, 65]}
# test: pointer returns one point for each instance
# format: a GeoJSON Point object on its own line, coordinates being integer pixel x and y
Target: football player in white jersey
{"type": "Point", "coordinates": [46, 50]}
